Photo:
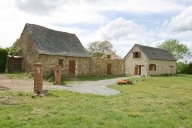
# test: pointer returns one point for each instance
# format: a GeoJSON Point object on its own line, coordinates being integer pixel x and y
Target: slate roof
{"type": "Point", "coordinates": [156, 53]}
{"type": "Point", "coordinates": [52, 42]}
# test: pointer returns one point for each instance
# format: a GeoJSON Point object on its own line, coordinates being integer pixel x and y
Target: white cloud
{"type": "Point", "coordinates": [99, 20]}
{"type": "Point", "coordinates": [182, 22]}
{"type": "Point", "coordinates": [119, 29]}
{"type": "Point", "coordinates": [135, 6]}
{"type": "Point", "coordinates": [122, 33]}
{"type": "Point", "coordinates": [37, 7]}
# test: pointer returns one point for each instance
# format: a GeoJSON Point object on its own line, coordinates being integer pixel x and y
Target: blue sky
{"type": "Point", "coordinates": [122, 22]}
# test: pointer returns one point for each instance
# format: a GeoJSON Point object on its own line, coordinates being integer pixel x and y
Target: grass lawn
{"type": "Point", "coordinates": [158, 102]}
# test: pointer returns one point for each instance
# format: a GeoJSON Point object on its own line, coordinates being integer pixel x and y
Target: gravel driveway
{"type": "Point", "coordinates": [88, 87]}
{"type": "Point", "coordinates": [92, 87]}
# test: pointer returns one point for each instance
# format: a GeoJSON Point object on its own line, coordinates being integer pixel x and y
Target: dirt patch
{"type": "Point", "coordinates": [18, 84]}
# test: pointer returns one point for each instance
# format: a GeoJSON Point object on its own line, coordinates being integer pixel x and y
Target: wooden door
{"type": "Point", "coordinates": [139, 73]}
{"type": "Point", "coordinates": [109, 66]}
{"type": "Point", "coordinates": [72, 65]}
{"type": "Point", "coordinates": [136, 70]}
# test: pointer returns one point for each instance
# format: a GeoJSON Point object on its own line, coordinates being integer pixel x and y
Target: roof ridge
{"type": "Point", "coordinates": [36, 25]}
{"type": "Point", "coordinates": [154, 48]}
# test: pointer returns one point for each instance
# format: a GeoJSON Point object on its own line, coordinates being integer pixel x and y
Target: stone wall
{"type": "Point", "coordinates": [82, 66]}
{"type": "Point", "coordinates": [99, 66]}
{"type": "Point", "coordinates": [131, 62]}
{"type": "Point", "coordinates": [29, 51]}
{"type": "Point", "coordinates": [163, 67]}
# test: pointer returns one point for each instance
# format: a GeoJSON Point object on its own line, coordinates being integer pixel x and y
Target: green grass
{"type": "Point", "coordinates": [18, 75]}
{"type": "Point", "coordinates": [158, 102]}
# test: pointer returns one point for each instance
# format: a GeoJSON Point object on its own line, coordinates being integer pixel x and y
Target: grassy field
{"type": "Point", "coordinates": [158, 102]}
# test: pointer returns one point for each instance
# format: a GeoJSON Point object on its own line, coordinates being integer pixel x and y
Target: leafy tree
{"type": "Point", "coordinates": [14, 50]}
{"type": "Point", "coordinates": [98, 48]}
{"type": "Point", "coordinates": [179, 51]}
{"type": "Point", "coordinates": [3, 59]}
{"type": "Point", "coordinates": [189, 69]}
{"type": "Point", "coordinates": [181, 68]}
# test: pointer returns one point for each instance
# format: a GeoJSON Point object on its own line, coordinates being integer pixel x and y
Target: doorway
{"type": "Point", "coordinates": [137, 70]}
{"type": "Point", "coordinates": [109, 66]}
{"type": "Point", "coordinates": [72, 67]}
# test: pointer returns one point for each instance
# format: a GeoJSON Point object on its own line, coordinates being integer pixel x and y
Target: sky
{"type": "Point", "coordinates": [122, 22]}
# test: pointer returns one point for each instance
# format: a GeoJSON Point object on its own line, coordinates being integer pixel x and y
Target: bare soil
{"type": "Point", "coordinates": [18, 84]}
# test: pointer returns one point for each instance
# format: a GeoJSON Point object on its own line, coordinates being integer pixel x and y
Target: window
{"type": "Point", "coordinates": [61, 62]}
{"type": "Point", "coordinates": [136, 54]}
{"type": "Point", "coordinates": [108, 56]}
{"type": "Point", "coordinates": [152, 67]}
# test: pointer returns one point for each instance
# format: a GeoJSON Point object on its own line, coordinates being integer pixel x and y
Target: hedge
{"type": "Point", "coordinates": [3, 59]}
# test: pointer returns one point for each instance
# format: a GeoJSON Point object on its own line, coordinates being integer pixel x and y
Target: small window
{"type": "Point", "coordinates": [152, 67]}
{"type": "Point", "coordinates": [136, 54]}
{"type": "Point", "coordinates": [61, 62]}
{"type": "Point", "coordinates": [108, 56]}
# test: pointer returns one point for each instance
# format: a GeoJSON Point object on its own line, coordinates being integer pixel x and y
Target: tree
{"type": "Point", "coordinates": [3, 59]}
{"type": "Point", "coordinates": [179, 51]}
{"type": "Point", "coordinates": [181, 68]}
{"type": "Point", "coordinates": [98, 48]}
{"type": "Point", "coordinates": [14, 50]}
{"type": "Point", "coordinates": [189, 70]}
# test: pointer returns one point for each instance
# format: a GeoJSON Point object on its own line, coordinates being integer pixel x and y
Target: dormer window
{"type": "Point", "coordinates": [108, 56]}
{"type": "Point", "coordinates": [136, 54]}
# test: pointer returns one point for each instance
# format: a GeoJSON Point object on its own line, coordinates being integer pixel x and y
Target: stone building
{"type": "Point", "coordinates": [144, 60]}
{"type": "Point", "coordinates": [110, 55]}
{"type": "Point", "coordinates": [51, 47]}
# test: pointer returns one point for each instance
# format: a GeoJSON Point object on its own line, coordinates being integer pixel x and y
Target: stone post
{"type": "Point", "coordinates": [58, 74]}
{"type": "Point", "coordinates": [38, 78]}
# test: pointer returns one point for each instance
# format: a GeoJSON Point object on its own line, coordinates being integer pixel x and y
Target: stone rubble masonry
{"type": "Point", "coordinates": [99, 66]}
{"type": "Point", "coordinates": [84, 66]}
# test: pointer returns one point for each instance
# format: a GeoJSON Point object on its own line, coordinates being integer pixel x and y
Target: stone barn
{"type": "Point", "coordinates": [109, 54]}
{"type": "Point", "coordinates": [144, 60]}
{"type": "Point", "coordinates": [51, 47]}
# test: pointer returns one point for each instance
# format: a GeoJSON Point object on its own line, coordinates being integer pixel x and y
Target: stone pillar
{"type": "Point", "coordinates": [38, 78]}
{"type": "Point", "coordinates": [58, 74]}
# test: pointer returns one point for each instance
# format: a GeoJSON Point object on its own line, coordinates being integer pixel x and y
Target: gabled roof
{"type": "Point", "coordinates": [48, 41]}
{"type": "Point", "coordinates": [155, 53]}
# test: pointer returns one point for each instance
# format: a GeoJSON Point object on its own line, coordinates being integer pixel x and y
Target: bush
{"type": "Point", "coordinates": [3, 59]}
{"type": "Point", "coordinates": [189, 69]}
{"type": "Point", "coordinates": [182, 68]}
{"type": "Point", "coordinates": [14, 50]}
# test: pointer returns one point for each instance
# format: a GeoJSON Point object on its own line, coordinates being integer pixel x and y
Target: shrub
{"type": "Point", "coordinates": [182, 68]}
{"type": "Point", "coordinates": [189, 69]}
{"type": "Point", "coordinates": [14, 50]}
{"type": "Point", "coordinates": [3, 59]}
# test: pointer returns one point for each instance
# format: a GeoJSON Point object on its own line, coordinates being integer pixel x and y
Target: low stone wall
{"type": "Point", "coordinates": [99, 66]}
